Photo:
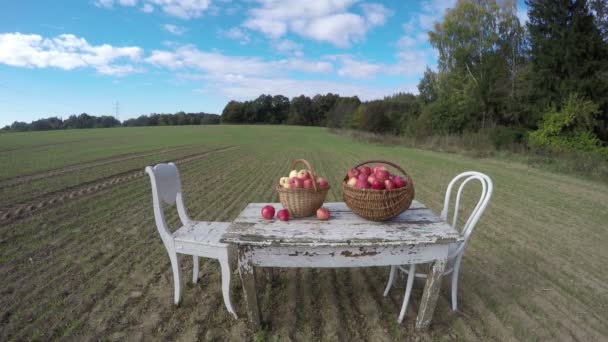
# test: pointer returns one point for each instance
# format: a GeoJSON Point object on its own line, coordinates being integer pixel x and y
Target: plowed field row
{"type": "Point", "coordinates": [94, 268]}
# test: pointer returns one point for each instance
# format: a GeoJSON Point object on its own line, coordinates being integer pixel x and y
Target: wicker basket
{"type": "Point", "coordinates": [379, 205]}
{"type": "Point", "coordinates": [303, 202]}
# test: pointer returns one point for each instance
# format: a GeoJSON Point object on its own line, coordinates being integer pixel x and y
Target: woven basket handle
{"type": "Point", "coordinates": [311, 172]}
{"type": "Point", "coordinates": [384, 162]}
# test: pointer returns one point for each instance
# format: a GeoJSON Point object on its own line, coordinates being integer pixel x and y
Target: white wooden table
{"type": "Point", "coordinates": [346, 240]}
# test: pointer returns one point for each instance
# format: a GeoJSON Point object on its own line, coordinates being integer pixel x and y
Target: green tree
{"type": "Point", "coordinates": [568, 55]}
{"type": "Point", "coordinates": [479, 44]}
{"type": "Point", "coordinates": [569, 128]}
{"type": "Point", "coordinates": [300, 111]}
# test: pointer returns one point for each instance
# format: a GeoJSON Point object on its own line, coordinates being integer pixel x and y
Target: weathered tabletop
{"type": "Point", "coordinates": [346, 240]}
{"type": "Point", "coordinates": [416, 226]}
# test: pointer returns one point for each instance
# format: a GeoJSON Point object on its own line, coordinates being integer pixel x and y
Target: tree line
{"type": "Point", "coordinates": [85, 120]}
{"type": "Point", "coordinates": [544, 82]}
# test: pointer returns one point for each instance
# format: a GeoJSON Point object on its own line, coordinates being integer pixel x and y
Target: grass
{"type": "Point", "coordinates": [94, 268]}
{"type": "Point", "coordinates": [490, 143]}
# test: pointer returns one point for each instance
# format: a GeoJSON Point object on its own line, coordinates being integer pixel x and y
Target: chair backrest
{"type": "Point", "coordinates": [486, 193]}
{"type": "Point", "coordinates": [166, 189]}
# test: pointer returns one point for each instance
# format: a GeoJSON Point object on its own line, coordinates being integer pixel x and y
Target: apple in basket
{"type": "Point", "coordinates": [366, 170]}
{"type": "Point", "coordinates": [362, 184]}
{"type": "Point", "coordinates": [323, 214]}
{"type": "Point", "coordinates": [377, 185]}
{"type": "Point", "coordinates": [307, 184]}
{"type": "Point", "coordinates": [399, 182]}
{"type": "Point", "coordinates": [352, 181]}
{"type": "Point", "coordinates": [371, 179]}
{"type": "Point", "coordinates": [293, 173]}
{"type": "Point", "coordinates": [284, 182]}
{"type": "Point", "coordinates": [354, 172]}
{"type": "Point", "coordinates": [382, 175]}
{"type": "Point", "coordinates": [389, 184]}
{"type": "Point", "coordinates": [268, 212]}
{"type": "Point", "coordinates": [378, 168]}
{"type": "Point", "coordinates": [295, 183]}
{"type": "Point", "coordinates": [303, 174]}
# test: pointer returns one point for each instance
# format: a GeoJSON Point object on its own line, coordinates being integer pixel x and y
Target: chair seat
{"type": "Point", "coordinates": [202, 233]}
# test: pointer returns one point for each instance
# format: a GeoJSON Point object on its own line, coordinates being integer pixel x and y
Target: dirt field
{"type": "Point", "coordinates": [80, 257]}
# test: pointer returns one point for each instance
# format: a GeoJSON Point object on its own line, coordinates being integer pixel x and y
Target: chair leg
{"type": "Point", "coordinates": [455, 283]}
{"type": "Point", "coordinates": [408, 291]}
{"type": "Point", "coordinates": [177, 287]}
{"type": "Point", "coordinates": [391, 279]}
{"type": "Point", "coordinates": [225, 266]}
{"type": "Point", "coordinates": [194, 269]}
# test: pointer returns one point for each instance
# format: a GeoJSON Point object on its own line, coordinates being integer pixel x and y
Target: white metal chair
{"type": "Point", "coordinates": [456, 251]}
{"type": "Point", "coordinates": [196, 238]}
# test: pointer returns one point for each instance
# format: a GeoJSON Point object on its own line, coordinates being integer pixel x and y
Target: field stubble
{"type": "Point", "coordinates": [94, 268]}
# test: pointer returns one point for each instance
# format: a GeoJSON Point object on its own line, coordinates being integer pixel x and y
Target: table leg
{"type": "Point", "coordinates": [430, 294]}
{"type": "Point", "coordinates": [247, 273]}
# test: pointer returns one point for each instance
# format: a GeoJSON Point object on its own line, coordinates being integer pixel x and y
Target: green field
{"type": "Point", "coordinates": [80, 257]}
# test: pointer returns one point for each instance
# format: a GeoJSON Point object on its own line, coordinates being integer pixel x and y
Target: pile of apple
{"type": "Point", "coordinates": [301, 180]}
{"type": "Point", "coordinates": [375, 178]}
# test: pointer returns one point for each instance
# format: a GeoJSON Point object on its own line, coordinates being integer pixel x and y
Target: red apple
{"type": "Point", "coordinates": [391, 177]}
{"type": "Point", "coordinates": [307, 184]}
{"type": "Point", "coordinates": [399, 182]}
{"type": "Point", "coordinates": [362, 176]}
{"type": "Point", "coordinates": [371, 179]}
{"type": "Point", "coordinates": [377, 168]}
{"type": "Point", "coordinates": [382, 175]}
{"type": "Point", "coordinates": [303, 174]}
{"type": "Point", "coordinates": [377, 185]}
{"type": "Point", "coordinates": [362, 184]}
{"type": "Point", "coordinates": [322, 182]}
{"type": "Point", "coordinates": [354, 172]}
{"type": "Point", "coordinates": [352, 181]}
{"type": "Point", "coordinates": [268, 212]}
{"type": "Point", "coordinates": [389, 185]}
{"type": "Point", "coordinates": [295, 183]}
{"type": "Point", "coordinates": [283, 215]}
{"type": "Point", "coordinates": [367, 170]}
{"type": "Point", "coordinates": [323, 214]}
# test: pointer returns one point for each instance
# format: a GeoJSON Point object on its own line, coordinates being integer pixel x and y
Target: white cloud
{"type": "Point", "coordinates": [129, 3]}
{"type": "Point", "coordinates": [408, 64]}
{"type": "Point", "coordinates": [104, 3]}
{"type": "Point", "coordinates": [416, 32]}
{"type": "Point", "coordinates": [147, 8]}
{"type": "Point", "coordinates": [356, 69]}
{"type": "Point", "coordinates": [237, 34]}
{"type": "Point", "coordinates": [66, 52]}
{"type": "Point", "coordinates": [244, 88]}
{"type": "Point", "coordinates": [288, 47]}
{"type": "Point", "coordinates": [183, 9]}
{"type": "Point", "coordinates": [375, 14]}
{"type": "Point", "coordinates": [189, 57]}
{"type": "Point", "coordinates": [326, 21]}
{"type": "Point", "coordinates": [176, 30]}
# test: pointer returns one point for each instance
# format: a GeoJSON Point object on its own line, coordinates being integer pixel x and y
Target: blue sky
{"type": "Point", "coordinates": [72, 56]}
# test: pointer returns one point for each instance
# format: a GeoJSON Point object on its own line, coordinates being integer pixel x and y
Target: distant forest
{"type": "Point", "coordinates": [85, 120]}
{"type": "Point", "coordinates": [543, 84]}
